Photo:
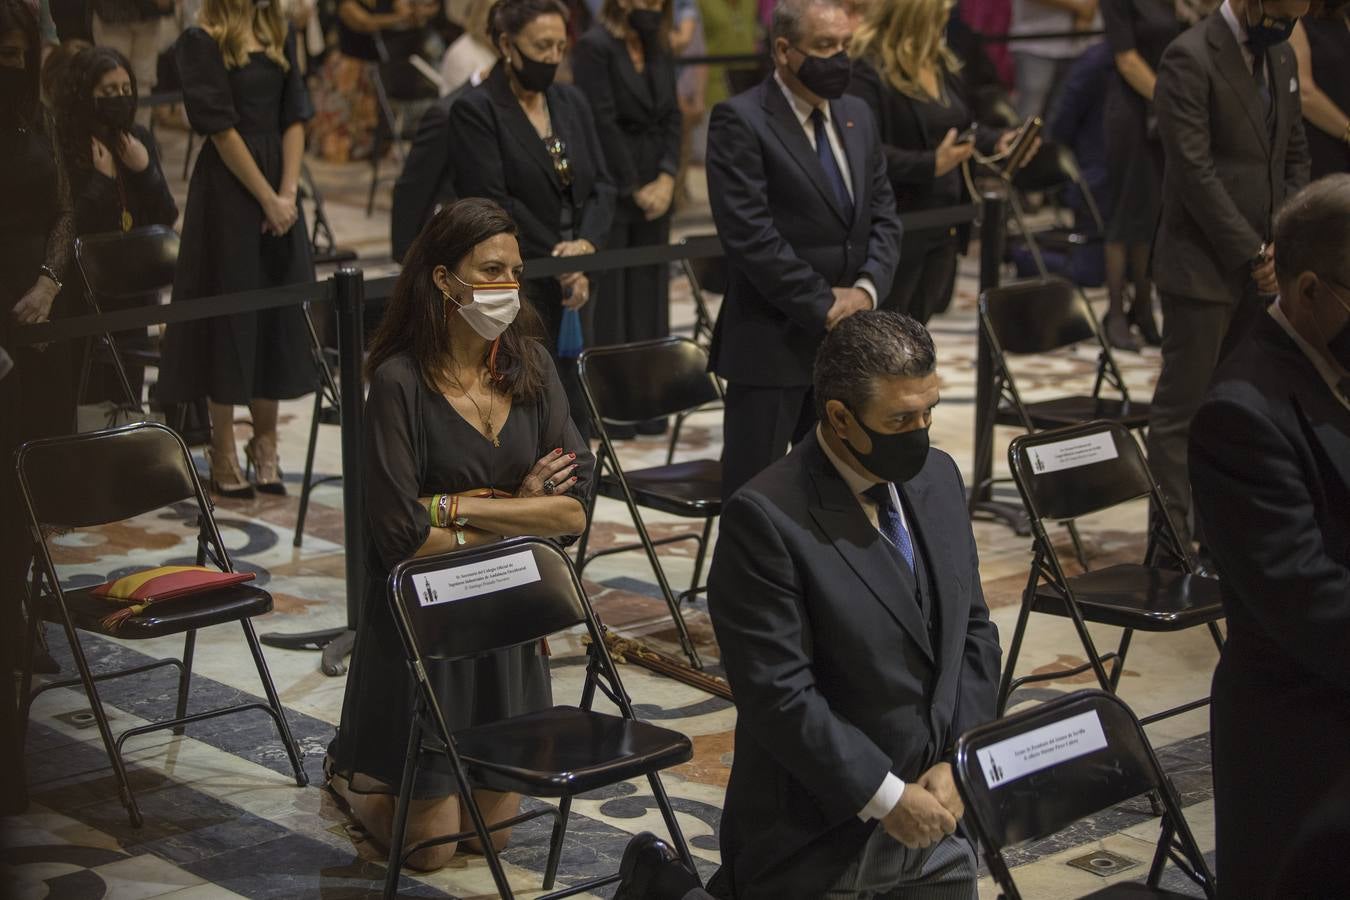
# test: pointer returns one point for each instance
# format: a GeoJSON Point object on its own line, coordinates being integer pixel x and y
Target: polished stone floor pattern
{"type": "Point", "coordinates": [225, 819]}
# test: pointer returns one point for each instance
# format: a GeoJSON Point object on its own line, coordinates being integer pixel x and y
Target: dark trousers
{"type": "Point", "coordinates": [758, 426]}
{"type": "Point", "coordinates": [633, 304]}
{"type": "Point", "coordinates": [1197, 334]}
{"type": "Point", "coordinates": [925, 277]}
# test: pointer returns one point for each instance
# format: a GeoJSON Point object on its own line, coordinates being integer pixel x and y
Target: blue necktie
{"type": "Point", "coordinates": [892, 528]}
{"type": "Point", "coordinates": [830, 164]}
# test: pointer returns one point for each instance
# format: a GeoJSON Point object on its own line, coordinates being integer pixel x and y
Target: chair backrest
{"type": "Point", "coordinates": [1078, 470]}
{"type": "Point", "coordinates": [84, 480]}
{"type": "Point", "coordinates": [1037, 316]}
{"type": "Point", "coordinates": [708, 272]}
{"type": "Point", "coordinates": [466, 603]}
{"type": "Point", "coordinates": [647, 380]}
{"type": "Point", "coordinates": [1053, 167]}
{"type": "Point", "coordinates": [1033, 773]}
{"type": "Point", "coordinates": [124, 264]}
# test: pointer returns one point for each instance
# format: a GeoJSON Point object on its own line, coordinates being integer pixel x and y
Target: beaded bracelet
{"type": "Point", "coordinates": [444, 501]}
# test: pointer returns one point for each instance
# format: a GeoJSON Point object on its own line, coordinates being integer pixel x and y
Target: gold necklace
{"type": "Point", "coordinates": [485, 419]}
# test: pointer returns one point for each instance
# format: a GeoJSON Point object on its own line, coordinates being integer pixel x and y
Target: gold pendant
{"type": "Point", "coordinates": [496, 442]}
{"type": "Point", "coordinates": [126, 220]}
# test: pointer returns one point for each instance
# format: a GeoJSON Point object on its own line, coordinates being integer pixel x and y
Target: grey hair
{"type": "Point", "coordinates": [867, 346]}
{"type": "Point", "coordinates": [788, 15]}
{"type": "Point", "coordinates": [1312, 230]}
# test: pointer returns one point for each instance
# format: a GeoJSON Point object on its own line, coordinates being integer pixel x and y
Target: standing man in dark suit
{"type": "Point", "coordinates": [845, 593]}
{"type": "Point", "coordinates": [1270, 462]}
{"type": "Point", "coordinates": [427, 181]}
{"type": "Point", "coordinates": [1231, 123]}
{"type": "Point", "coordinates": [799, 194]}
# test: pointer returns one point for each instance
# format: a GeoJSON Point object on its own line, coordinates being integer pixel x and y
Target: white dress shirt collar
{"type": "Point", "coordinates": [1320, 362]}
{"type": "Point", "coordinates": [800, 108]}
{"type": "Point", "coordinates": [858, 483]}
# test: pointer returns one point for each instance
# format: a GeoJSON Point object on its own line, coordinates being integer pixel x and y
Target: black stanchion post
{"type": "Point", "coordinates": [335, 644]}
{"type": "Point", "coordinates": [993, 242]}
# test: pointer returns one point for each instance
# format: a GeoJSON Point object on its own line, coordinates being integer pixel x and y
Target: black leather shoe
{"type": "Point", "coordinates": [651, 870]}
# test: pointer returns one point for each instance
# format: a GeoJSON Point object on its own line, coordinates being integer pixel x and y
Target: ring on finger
{"type": "Point", "coordinates": [550, 486]}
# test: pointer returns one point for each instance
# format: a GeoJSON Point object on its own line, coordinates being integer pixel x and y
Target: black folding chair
{"type": "Point", "coordinates": [704, 274]}
{"type": "Point", "coordinates": [120, 266]}
{"type": "Point", "coordinates": [447, 608]}
{"type": "Point", "coordinates": [103, 477]}
{"type": "Point", "coordinates": [1034, 773]}
{"type": "Point", "coordinates": [630, 383]}
{"type": "Point", "coordinates": [397, 94]}
{"type": "Point", "coordinates": [1077, 471]}
{"type": "Point", "coordinates": [1051, 172]}
{"type": "Point", "coordinates": [327, 411]}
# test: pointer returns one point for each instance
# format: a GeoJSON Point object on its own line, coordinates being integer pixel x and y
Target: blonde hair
{"type": "Point", "coordinates": [900, 37]}
{"type": "Point", "coordinates": [231, 22]}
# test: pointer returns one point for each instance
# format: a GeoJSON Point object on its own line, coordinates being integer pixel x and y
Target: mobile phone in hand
{"type": "Point", "coordinates": [967, 136]}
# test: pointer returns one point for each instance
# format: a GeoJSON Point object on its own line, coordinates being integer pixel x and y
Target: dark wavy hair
{"type": "Point", "coordinates": [416, 316]}
{"type": "Point", "coordinates": [16, 15]}
{"type": "Point", "coordinates": [74, 96]}
{"type": "Point", "coordinates": [510, 17]}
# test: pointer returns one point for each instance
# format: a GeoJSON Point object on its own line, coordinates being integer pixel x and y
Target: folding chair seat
{"type": "Point", "coordinates": [1099, 757]}
{"type": "Point", "coordinates": [630, 383]}
{"type": "Point", "coordinates": [103, 477]}
{"type": "Point", "coordinates": [121, 266]}
{"type": "Point", "coordinates": [559, 752]}
{"type": "Point", "coordinates": [1081, 470]}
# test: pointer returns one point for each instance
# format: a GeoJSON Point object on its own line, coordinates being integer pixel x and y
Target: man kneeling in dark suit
{"type": "Point", "coordinates": [1270, 465]}
{"type": "Point", "coordinates": [845, 592]}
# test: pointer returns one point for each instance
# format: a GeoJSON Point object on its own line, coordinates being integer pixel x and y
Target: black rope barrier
{"type": "Point", "coordinates": [700, 247]}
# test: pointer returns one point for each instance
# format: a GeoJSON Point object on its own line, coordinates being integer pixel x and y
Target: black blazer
{"type": "Point", "coordinates": [911, 155]}
{"type": "Point", "coordinates": [428, 177]}
{"type": "Point", "coordinates": [1270, 469]}
{"type": "Point", "coordinates": [786, 238]}
{"type": "Point", "coordinates": [500, 156]}
{"type": "Point", "coordinates": [1225, 176]}
{"type": "Point", "coordinates": [637, 116]}
{"type": "Point", "coordinates": [836, 679]}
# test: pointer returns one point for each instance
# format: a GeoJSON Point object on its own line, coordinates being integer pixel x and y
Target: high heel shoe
{"type": "Point", "coordinates": [226, 479]}
{"type": "Point", "coordinates": [1118, 333]}
{"type": "Point", "coordinates": [1141, 316]}
{"type": "Point", "coordinates": [261, 454]}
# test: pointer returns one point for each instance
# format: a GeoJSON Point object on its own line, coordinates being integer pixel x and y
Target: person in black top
{"type": "Point", "coordinates": [115, 176]}
{"type": "Point", "coordinates": [242, 231]}
{"type": "Point", "coordinates": [910, 79]}
{"type": "Point", "coordinates": [1138, 31]}
{"type": "Point", "coordinates": [1321, 41]}
{"type": "Point", "coordinates": [36, 230]}
{"type": "Point", "coordinates": [464, 404]}
{"type": "Point", "coordinates": [623, 66]}
{"type": "Point", "coordinates": [531, 145]}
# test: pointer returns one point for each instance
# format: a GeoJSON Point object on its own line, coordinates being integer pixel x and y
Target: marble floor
{"type": "Point", "coordinates": [223, 815]}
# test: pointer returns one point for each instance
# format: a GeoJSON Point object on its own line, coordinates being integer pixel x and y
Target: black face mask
{"type": "Point", "coordinates": [115, 113]}
{"type": "Point", "coordinates": [646, 23]}
{"type": "Point", "coordinates": [1338, 345]}
{"type": "Point", "coordinates": [826, 76]}
{"type": "Point", "coordinates": [13, 93]}
{"type": "Point", "coordinates": [534, 75]}
{"type": "Point", "coordinates": [1269, 31]}
{"type": "Point", "coordinates": [894, 457]}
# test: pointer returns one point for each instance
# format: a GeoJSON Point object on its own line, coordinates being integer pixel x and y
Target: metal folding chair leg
{"type": "Point", "coordinates": [185, 677]}
{"type": "Point", "coordinates": [556, 843]}
{"type": "Point", "coordinates": [307, 486]}
{"type": "Point", "coordinates": [274, 704]}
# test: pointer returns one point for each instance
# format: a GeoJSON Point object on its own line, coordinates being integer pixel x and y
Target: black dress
{"type": "Point", "coordinates": [911, 129]}
{"type": "Point", "coordinates": [1134, 157]}
{"type": "Point", "coordinates": [234, 359]}
{"type": "Point", "coordinates": [1329, 44]}
{"type": "Point", "coordinates": [416, 445]}
{"type": "Point", "coordinates": [98, 209]}
{"type": "Point", "coordinates": [637, 117]}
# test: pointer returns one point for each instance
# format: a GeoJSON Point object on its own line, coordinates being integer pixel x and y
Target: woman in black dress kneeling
{"type": "Point", "coordinates": [242, 231]}
{"type": "Point", "coordinates": [464, 401]}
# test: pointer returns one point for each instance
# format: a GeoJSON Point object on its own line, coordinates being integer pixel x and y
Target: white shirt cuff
{"type": "Point", "coordinates": [884, 800]}
{"type": "Point", "coordinates": [865, 285]}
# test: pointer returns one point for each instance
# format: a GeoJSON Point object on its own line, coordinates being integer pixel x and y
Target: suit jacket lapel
{"type": "Point", "coordinates": [517, 124]}
{"type": "Point", "coordinates": [925, 523]}
{"type": "Point", "coordinates": [1323, 416]}
{"type": "Point", "coordinates": [784, 123]}
{"type": "Point", "coordinates": [843, 521]}
{"type": "Point", "coordinates": [1240, 78]}
{"type": "Point", "coordinates": [850, 138]}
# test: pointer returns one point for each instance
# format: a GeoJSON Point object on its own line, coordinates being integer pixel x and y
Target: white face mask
{"type": "Point", "coordinates": [493, 308]}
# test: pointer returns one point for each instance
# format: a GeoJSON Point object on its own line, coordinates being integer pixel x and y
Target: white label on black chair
{"type": "Point", "coordinates": [1041, 748]}
{"type": "Point", "coordinates": [477, 579]}
{"type": "Point", "coordinates": [1070, 454]}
